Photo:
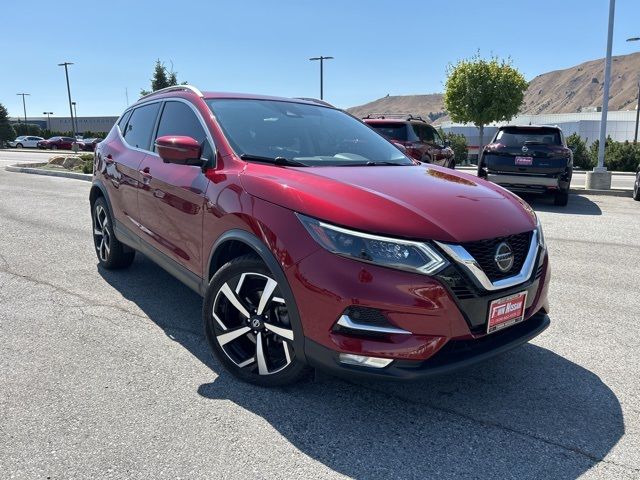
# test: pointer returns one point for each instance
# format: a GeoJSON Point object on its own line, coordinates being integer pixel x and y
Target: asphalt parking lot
{"type": "Point", "coordinates": [107, 375]}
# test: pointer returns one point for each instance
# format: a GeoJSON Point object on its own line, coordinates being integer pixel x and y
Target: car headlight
{"type": "Point", "coordinates": [388, 252]}
{"type": "Point", "coordinates": [540, 233]}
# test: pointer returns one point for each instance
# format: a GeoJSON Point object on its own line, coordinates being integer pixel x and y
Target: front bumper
{"type": "Point", "coordinates": [455, 355]}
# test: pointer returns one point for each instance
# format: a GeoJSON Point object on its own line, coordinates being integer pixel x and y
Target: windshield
{"type": "Point", "coordinates": [517, 137]}
{"type": "Point", "coordinates": [309, 135]}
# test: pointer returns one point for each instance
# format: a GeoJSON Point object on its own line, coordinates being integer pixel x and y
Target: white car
{"type": "Point", "coordinates": [25, 141]}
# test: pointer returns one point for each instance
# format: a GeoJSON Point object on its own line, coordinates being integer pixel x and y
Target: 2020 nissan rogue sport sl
{"type": "Point", "coordinates": [315, 242]}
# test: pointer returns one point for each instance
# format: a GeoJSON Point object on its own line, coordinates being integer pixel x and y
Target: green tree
{"type": "Point", "coordinates": [27, 129]}
{"type": "Point", "coordinates": [6, 130]}
{"type": "Point", "coordinates": [581, 156]}
{"type": "Point", "coordinates": [162, 78]}
{"type": "Point", "coordinates": [482, 91]}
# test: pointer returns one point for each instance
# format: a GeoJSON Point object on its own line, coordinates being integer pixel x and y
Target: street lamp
{"type": "Point", "coordinates": [635, 135]}
{"type": "Point", "coordinates": [322, 59]}
{"type": "Point", "coordinates": [75, 115]}
{"type": "Point", "coordinates": [48, 119]}
{"type": "Point", "coordinates": [24, 106]}
{"type": "Point", "coordinates": [66, 73]}
{"type": "Point", "coordinates": [599, 178]}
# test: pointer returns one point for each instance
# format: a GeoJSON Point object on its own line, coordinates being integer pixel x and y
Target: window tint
{"type": "Point", "coordinates": [179, 119]}
{"type": "Point", "coordinates": [392, 131]}
{"type": "Point", "coordinates": [518, 136]}
{"type": "Point", "coordinates": [427, 134]}
{"type": "Point", "coordinates": [140, 126]}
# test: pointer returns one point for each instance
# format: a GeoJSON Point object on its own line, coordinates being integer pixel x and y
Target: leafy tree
{"type": "Point", "coordinates": [6, 130]}
{"type": "Point", "coordinates": [162, 78]}
{"type": "Point", "coordinates": [482, 91]}
{"type": "Point", "coordinates": [581, 157]}
{"type": "Point", "coordinates": [27, 129]}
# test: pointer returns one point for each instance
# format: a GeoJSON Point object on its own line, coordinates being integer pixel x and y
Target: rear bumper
{"type": "Point", "coordinates": [455, 355]}
{"type": "Point", "coordinates": [530, 183]}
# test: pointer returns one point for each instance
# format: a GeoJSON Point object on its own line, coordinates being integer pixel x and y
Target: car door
{"type": "Point", "coordinates": [431, 138]}
{"type": "Point", "coordinates": [31, 142]}
{"type": "Point", "coordinates": [171, 200]}
{"type": "Point", "coordinates": [122, 158]}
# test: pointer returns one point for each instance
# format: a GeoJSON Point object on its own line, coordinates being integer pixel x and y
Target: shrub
{"type": "Point", "coordinates": [87, 166]}
{"type": "Point", "coordinates": [581, 157]}
{"type": "Point", "coordinates": [458, 143]}
{"type": "Point", "coordinates": [618, 156]}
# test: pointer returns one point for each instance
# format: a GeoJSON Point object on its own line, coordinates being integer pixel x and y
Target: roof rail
{"type": "Point", "coordinates": [315, 100]}
{"type": "Point", "coordinates": [174, 88]}
{"type": "Point", "coordinates": [406, 116]}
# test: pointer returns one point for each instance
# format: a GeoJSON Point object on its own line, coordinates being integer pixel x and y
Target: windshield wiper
{"type": "Point", "coordinates": [395, 164]}
{"type": "Point", "coordinates": [276, 161]}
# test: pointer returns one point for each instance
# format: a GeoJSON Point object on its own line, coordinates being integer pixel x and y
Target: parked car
{"type": "Point", "coordinates": [529, 159]}
{"type": "Point", "coordinates": [421, 140]}
{"type": "Point", "coordinates": [57, 143]}
{"type": "Point", "coordinates": [636, 185]}
{"type": "Point", "coordinates": [315, 242]}
{"type": "Point", "coordinates": [89, 144]}
{"type": "Point", "coordinates": [25, 141]}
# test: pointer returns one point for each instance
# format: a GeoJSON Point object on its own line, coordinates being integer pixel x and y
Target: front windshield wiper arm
{"type": "Point", "coordinates": [276, 161]}
{"type": "Point", "coordinates": [395, 164]}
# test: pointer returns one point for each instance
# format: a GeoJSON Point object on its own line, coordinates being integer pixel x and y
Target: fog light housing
{"type": "Point", "coordinates": [363, 361]}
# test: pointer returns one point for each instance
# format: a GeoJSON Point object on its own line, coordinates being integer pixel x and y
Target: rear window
{"type": "Point", "coordinates": [519, 136]}
{"type": "Point", "coordinates": [392, 131]}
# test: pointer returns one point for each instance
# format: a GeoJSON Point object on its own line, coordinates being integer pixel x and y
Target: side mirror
{"type": "Point", "coordinates": [179, 150]}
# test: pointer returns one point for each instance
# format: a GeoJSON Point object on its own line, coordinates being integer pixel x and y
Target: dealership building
{"type": "Point", "coordinates": [63, 124]}
{"type": "Point", "coordinates": [620, 126]}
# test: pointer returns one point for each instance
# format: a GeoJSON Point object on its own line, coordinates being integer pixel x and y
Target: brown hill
{"type": "Point", "coordinates": [570, 90]}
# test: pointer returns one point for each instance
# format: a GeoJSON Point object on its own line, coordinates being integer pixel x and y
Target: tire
{"type": "Point", "coordinates": [19, 145]}
{"type": "Point", "coordinates": [111, 254]}
{"type": "Point", "coordinates": [425, 158]}
{"type": "Point", "coordinates": [636, 187]}
{"type": "Point", "coordinates": [250, 332]}
{"type": "Point", "coordinates": [561, 198]}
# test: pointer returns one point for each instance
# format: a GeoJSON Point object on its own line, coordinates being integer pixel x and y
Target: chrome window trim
{"type": "Point", "coordinates": [347, 322]}
{"type": "Point", "coordinates": [463, 258]}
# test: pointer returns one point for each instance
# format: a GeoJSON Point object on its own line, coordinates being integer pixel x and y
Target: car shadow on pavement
{"type": "Point", "coordinates": [578, 205]}
{"type": "Point", "coordinates": [526, 414]}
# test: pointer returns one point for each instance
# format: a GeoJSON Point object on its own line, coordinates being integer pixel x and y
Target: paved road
{"type": "Point", "coordinates": [107, 375]}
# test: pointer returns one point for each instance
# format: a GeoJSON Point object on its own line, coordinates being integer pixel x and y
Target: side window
{"type": "Point", "coordinates": [179, 119]}
{"type": "Point", "coordinates": [427, 134]}
{"type": "Point", "coordinates": [123, 121]}
{"type": "Point", "coordinates": [140, 126]}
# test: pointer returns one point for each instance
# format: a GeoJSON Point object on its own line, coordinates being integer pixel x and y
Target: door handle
{"type": "Point", "coordinates": [108, 159]}
{"type": "Point", "coordinates": [145, 173]}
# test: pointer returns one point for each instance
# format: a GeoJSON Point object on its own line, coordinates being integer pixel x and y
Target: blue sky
{"type": "Point", "coordinates": [264, 46]}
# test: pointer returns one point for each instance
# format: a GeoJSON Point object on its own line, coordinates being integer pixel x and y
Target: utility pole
{"type": "Point", "coordinates": [24, 107]}
{"type": "Point", "coordinates": [66, 72]}
{"type": "Point", "coordinates": [48, 119]}
{"type": "Point", "coordinates": [599, 178]}
{"type": "Point", "coordinates": [635, 135]}
{"type": "Point", "coordinates": [322, 59]}
{"type": "Point", "coordinates": [75, 115]}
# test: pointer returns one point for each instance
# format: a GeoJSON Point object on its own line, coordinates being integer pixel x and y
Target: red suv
{"type": "Point", "coordinates": [315, 242]}
{"type": "Point", "coordinates": [421, 140]}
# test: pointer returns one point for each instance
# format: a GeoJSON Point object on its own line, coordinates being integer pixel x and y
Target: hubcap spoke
{"type": "Point", "coordinates": [232, 335]}
{"type": "Point", "coordinates": [234, 300]}
{"type": "Point", "coordinates": [266, 294]}
{"type": "Point", "coordinates": [262, 362]}
{"type": "Point", "coordinates": [97, 232]}
{"type": "Point", "coordinates": [282, 332]}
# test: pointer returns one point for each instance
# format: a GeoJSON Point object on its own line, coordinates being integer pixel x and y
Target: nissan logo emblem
{"type": "Point", "coordinates": [525, 148]}
{"type": "Point", "coordinates": [504, 257]}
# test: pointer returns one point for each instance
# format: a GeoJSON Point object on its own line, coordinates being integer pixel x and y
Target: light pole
{"type": "Point", "coordinates": [48, 119]}
{"type": "Point", "coordinates": [635, 135]}
{"type": "Point", "coordinates": [75, 115]}
{"type": "Point", "coordinates": [599, 178]}
{"type": "Point", "coordinates": [66, 73]}
{"type": "Point", "coordinates": [322, 59]}
{"type": "Point", "coordinates": [24, 107]}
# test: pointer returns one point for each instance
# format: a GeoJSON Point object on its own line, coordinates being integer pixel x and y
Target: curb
{"type": "Point", "coordinates": [32, 168]}
{"type": "Point", "coordinates": [39, 150]}
{"type": "Point", "coordinates": [604, 193]}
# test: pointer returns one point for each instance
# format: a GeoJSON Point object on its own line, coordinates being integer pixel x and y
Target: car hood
{"type": "Point", "coordinates": [416, 202]}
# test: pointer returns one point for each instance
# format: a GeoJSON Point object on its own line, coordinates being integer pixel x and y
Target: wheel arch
{"type": "Point", "coordinates": [98, 190]}
{"type": "Point", "coordinates": [237, 242]}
